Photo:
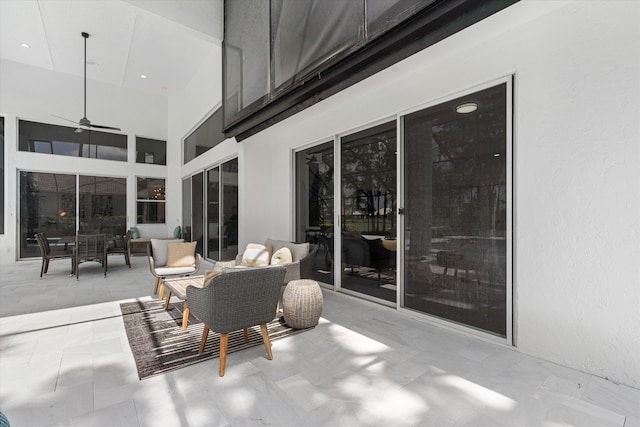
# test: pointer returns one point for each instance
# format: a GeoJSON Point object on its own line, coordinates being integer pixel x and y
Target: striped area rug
{"type": "Point", "coordinates": [160, 345]}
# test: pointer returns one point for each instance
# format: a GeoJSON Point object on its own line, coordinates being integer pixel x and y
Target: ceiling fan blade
{"type": "Point", "coordinates": [104, 127]}
{"type": "Point", "coordinates": [84, 123]}
{"type": "Point", "coordinates": [64, 118]}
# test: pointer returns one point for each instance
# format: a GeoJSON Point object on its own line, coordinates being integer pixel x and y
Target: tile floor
{"type": "Point", "coordinates": [65, 361]}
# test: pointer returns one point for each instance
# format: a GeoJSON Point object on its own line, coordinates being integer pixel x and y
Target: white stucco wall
{"type": "Point", "coordinates": [37, 94]}
{"type": "Point", "coordinates": [187, 111]}
{"type": "Point", "coordinates": [576, 166]}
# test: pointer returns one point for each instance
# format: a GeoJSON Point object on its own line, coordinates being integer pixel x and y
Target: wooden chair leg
{"type": "Point", "coordinates": [267, 342]}
{"type": "Point", "coordinates": [224, 339]}
{"type": "Point", "coordinates": [185, 316]}
{"type": "Point", "coordinates": [205, 334]}
{"type": "Point", "coordinates": [246, 334]}
{"type": "Point", "coordinates": [155, 286]}
{"type": "Point", "coordinates": [161, 291]}
{"type": "Point", "coordinates": [166, 303]}
{"type": "Point", "coordinates": [42, 268]}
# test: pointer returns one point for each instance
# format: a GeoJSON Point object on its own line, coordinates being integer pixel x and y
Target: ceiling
{"type": "Point", "coordinates": [165, 40]}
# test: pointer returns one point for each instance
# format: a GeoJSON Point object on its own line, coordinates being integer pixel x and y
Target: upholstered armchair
{"type": "Point", "coordinates": [237, 298]}
{"type": "Point", "coordinates": [164, 264]}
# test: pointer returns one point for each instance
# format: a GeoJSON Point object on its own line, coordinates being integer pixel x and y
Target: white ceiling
{"type": "Point", "coordinates": [166, 40]}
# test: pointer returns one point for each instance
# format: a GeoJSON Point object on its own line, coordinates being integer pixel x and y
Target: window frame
{"type": "Point", "coordinates": [150, 200]}
{"type": "Point", "coordinates": [146, 141]}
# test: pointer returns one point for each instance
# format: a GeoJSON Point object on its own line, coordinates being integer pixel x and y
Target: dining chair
{"type": "Point", "coordinates": [48, 254]}
{"type": "Point", "coordinates": [90, 247]}
{"type": "Point", "coordinates": [121, 246]}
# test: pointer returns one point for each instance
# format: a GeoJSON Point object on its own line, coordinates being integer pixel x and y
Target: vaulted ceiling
{"type": "Point", "coordinates": [164, 40]}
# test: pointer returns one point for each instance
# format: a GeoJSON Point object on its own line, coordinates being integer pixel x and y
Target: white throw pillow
{"type": "Point", "coordinates": [281, 257]}
{"type": "Point", "coordinates": [256, 255]}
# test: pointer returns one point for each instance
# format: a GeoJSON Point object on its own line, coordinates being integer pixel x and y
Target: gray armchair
{"type": "Point", "coordinates": [238, 298]}
{"type": "Point", "coordinates": [157, 256]}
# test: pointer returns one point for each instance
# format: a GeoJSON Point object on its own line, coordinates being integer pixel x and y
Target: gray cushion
{"type": "Point", "coordinates": [159, 250]}
{"type": "Point", "coordinates": [298, 250]}
{"type": "Point", "coordinates": [274, 244]}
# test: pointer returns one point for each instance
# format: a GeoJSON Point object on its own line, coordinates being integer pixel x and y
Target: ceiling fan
{"type": "Point", "coordinates": [84, 122]}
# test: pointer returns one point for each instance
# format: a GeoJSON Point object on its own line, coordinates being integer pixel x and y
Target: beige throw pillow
{"type": "Point", "coordinates": [281, 257]}
{"type": "Point", "coordinates": [256, 255]}
{"type": "Point", "coordinates": [181, 254]}
{"type": "Point", "coordinates": [209, 275]}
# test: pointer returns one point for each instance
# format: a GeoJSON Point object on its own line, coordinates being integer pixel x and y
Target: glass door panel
{"type": "Point", "coordinates": [229, 211]}
{"type": "Point", "coordinates": [314, 206]}
{"type": "Point", "coordinates": [455, 223]}
{"type": "Point", "coordinates": [47, 205]}
{"type": "Point", "coordinates": [368, 212]}
{"type": "Point", "coordinates": [186, 209]}
{"type": "Point", "coordinates": [103, 205]}
{"type": "Point", "coordinates": [213, 213]}
{"type": "Point", "coordinates": [197, 211]}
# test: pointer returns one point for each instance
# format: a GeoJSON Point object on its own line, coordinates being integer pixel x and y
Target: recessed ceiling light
{"type": "Point", "coordinates": [466, 108]}
{"type": "Point", "coordinates": [143, 76]}
{"type": "Point", "coordinates": [25, 45]}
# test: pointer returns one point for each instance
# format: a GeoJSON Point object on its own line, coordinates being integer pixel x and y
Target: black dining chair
{"type": "Point", "coordinates": [49, 254]}
{"type": "Point", "coordinates": [90, 247]}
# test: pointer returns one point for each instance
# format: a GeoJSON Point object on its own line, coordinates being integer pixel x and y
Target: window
{"type": "Point", "coordinates": [64, 141]}
{"type": "Point", "coordinates": [282, 56]}
{"type": "Point", "coordinates": [2, 174]}
{"type": "Point", "coordinates": [150, 201]}
{"type": "Point", "coordinates": [151, 151]}
{"type": "Point", "coordinates": [103, 205]}
{"type": "Point", "coordinates": [206, 136]}
{"type": "Point", "coordinates": [246, 55]}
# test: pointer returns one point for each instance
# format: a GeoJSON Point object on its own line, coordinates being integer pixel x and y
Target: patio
{"type": "Point", "coordinates": [65, 360]}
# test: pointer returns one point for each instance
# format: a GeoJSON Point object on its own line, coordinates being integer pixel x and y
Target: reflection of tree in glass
{"type": "Point", "coordinates": [469, 176]}
{"type": "Point", "coordinates": [369, 182]}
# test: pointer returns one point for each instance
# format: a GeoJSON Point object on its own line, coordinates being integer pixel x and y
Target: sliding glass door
{"type": "Point", "coordinates": [456, 210]}
{"type": "Point", "coordinates": [48, 203]}
{"type": "Point", "coordinates": [222, 211]}
{"type": "Point", "coordinates": [368, 212]}
{"type": "Point", "coordinates": [314, 206]}
{"type": "Point", "coordinates": [442, 248]}
{"type": "Point", "coordinates": [212, 194]}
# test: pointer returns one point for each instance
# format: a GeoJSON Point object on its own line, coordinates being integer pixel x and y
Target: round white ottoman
{"type": "Point", "coordinates": [302, 303]}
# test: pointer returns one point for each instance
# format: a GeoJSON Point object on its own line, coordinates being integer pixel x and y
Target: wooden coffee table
{"type": "Point", "coordinates": [178, 287]}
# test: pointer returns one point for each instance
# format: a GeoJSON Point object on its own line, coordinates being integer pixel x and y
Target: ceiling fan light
{"type": "Point", "coordinates": [467, 107]}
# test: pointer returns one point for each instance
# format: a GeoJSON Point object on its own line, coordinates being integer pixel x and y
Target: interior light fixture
{"type": "Point", "coordinates": [496, 155]}
{"type": "Point", "coordinates": [143, 76]}
{"type": "Point", "coordinates": [466, 108]}
{"type": "Point", "coordinates": [25, 45]}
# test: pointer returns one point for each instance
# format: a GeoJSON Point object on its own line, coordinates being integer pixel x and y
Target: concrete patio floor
{"type": "Point", "coordinates": [65, 361]}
